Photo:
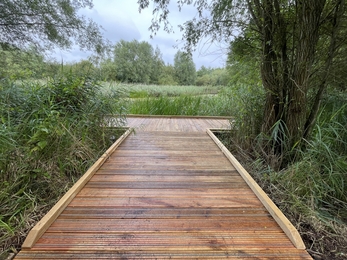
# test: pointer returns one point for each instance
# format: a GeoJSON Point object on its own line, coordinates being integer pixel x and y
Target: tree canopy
{"type": "Point", "coordinates": [21, 64]}
{"type": "Point", "coordinates": [48, 23]}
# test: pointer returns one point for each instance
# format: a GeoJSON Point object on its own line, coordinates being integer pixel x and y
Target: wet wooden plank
{"type": "Point", "coordinates": [177, 123]}
{"type": "Point", "coordinates": [171, 172]}
{"type": "Point", "coordinates": [159, 241]}
{"type": "Point", "coordinates": [98, 226]}
{"type": "Point", "coordinates": [164, 185]}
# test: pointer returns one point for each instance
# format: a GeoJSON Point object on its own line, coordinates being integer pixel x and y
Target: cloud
{"type": "Point", "coordinates": [117, 24]}
{"type": "Point", "coordinates": [121, 20]}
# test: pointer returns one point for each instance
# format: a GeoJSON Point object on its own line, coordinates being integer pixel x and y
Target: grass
{"type": "Point", "coordinates": [172, 100]}
{"type": "Point", "coordinates": [50, 134]}
{"type": "Point", "coordinates": [213, 105]}
{"type": "Point", "coordinates": [144, 91]}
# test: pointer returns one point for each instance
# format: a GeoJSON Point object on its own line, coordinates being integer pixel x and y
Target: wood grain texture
{"type": "Point", "coordinates": [37, 231]}
{"type": "Point", "coordinates": [177, 123]}
{"type": "Point", "coordinates": [167, 192]}
{"type": "Point", "coordinates": [280, 218]}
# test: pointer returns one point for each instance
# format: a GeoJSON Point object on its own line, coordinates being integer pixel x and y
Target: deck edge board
{"type": "Point", "coordinates": [39, 229]}
{"type": "Point", "coordinates": [275, 212]}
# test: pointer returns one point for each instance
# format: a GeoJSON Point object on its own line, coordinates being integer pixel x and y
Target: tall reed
{"type": "Point", "coordinates": [49, 135]}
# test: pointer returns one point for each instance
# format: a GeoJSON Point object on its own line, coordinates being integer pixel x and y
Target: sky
{"type": "Point", "coordinates": [121, 20]}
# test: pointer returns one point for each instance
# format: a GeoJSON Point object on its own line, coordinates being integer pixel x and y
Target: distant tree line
{"type": "Point", "coordinates": [139, 62]}
{"type": "Point", "coordinates": [128, 61]}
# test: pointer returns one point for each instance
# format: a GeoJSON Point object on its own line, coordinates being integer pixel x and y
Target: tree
{"type": "Point", "coordinates": [211, 77]}
{"type": "Point", "coordinates": [167, 76]}
{"type": "Point", "coordinates": [298, 43]}
{"type": "Point", "coordinates": [185, 71]}
{"type": "Point", "coordinates": [21, 64]}
{"type": "Point", "coordinates": [244, 61]}
{"type": "Point", "coordinates": [157, 66]}
{"type": "Point", "coordinates": [82, 68]}
{"type": "Point", "coordinates": [48, 23]}
{"type": "Point", "coordinates": [108, 70]}
{"type": "Point", "coordinates": [203, 76]}
{"type": "Point", "coordinates": [137, 62]}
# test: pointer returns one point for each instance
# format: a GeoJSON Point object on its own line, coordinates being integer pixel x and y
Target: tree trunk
{"type": "Point", "coordinates": [274, 72]}
{"type": "Point", "coordinates": [339, 10]}
{"type": "Point", "coordinates": [308, 20]}
{"type": "Point", "coordinates": [287, 81]}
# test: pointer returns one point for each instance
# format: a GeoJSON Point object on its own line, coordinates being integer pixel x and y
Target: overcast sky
{"type": "Point", "coordinates": [121, 20]}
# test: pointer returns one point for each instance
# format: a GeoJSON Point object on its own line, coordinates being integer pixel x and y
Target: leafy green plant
{"type": "Point", "coordinates": [182, 105]}
{"type": "Point", "coordinates": [50, 134]}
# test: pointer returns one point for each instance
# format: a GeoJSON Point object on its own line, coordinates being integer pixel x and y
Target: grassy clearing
{"type": "Point", "coordinates": [49, 135]}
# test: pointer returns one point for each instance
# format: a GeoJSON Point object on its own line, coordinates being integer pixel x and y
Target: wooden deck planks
{"type": "Point", "coordinates": [165, 195]}
{"type": "Point", "coordinates": [177, 124]}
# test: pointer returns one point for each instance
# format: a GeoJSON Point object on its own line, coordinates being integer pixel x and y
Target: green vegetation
{"type": "Point", "coordinates": [218, 105]}
{"type": "Point", "coordinates": [139, 63]}
{"type": "Point", "coordinates": [50, 133]}
{"type": "Point", "coordinates": [311, 190]}
{"type": "Point", "coordinates": [47, 24]}
{"type": "Point", "coordinates": [284, 84]}
{"type": "Point", "coordinates": [129, 63]}
{"type": "Point", "coordinates": [213, 77]}
{"type": "Point", "coordinates": [174, 100]}
{"type": "Point", "coordinates": [294, 45]}
{"type": "Point", "coordinates": [142, 91]}
{"type": "Point", "coordinates": [136, 62]}
{"type": "Point", "coordinates": [185, 71]}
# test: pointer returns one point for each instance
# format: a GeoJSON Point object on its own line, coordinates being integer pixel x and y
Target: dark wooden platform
{"type": "Point", "coordinates": [167, 191]}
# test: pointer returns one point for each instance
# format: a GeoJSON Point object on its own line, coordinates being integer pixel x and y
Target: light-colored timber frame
{"type": "Point", "coordinates": [275, 212]}
{"type": "Point", "coordinates": [40, 228]}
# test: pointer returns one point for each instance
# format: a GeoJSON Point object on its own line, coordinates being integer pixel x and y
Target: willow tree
{"type": "Point", "coordinates": [47, 24]}
{"type": "Point", "coordinates": [299, 41]}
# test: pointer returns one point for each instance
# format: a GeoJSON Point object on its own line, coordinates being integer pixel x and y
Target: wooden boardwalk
{"type": "Point", "coordinates": [167, 191]}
